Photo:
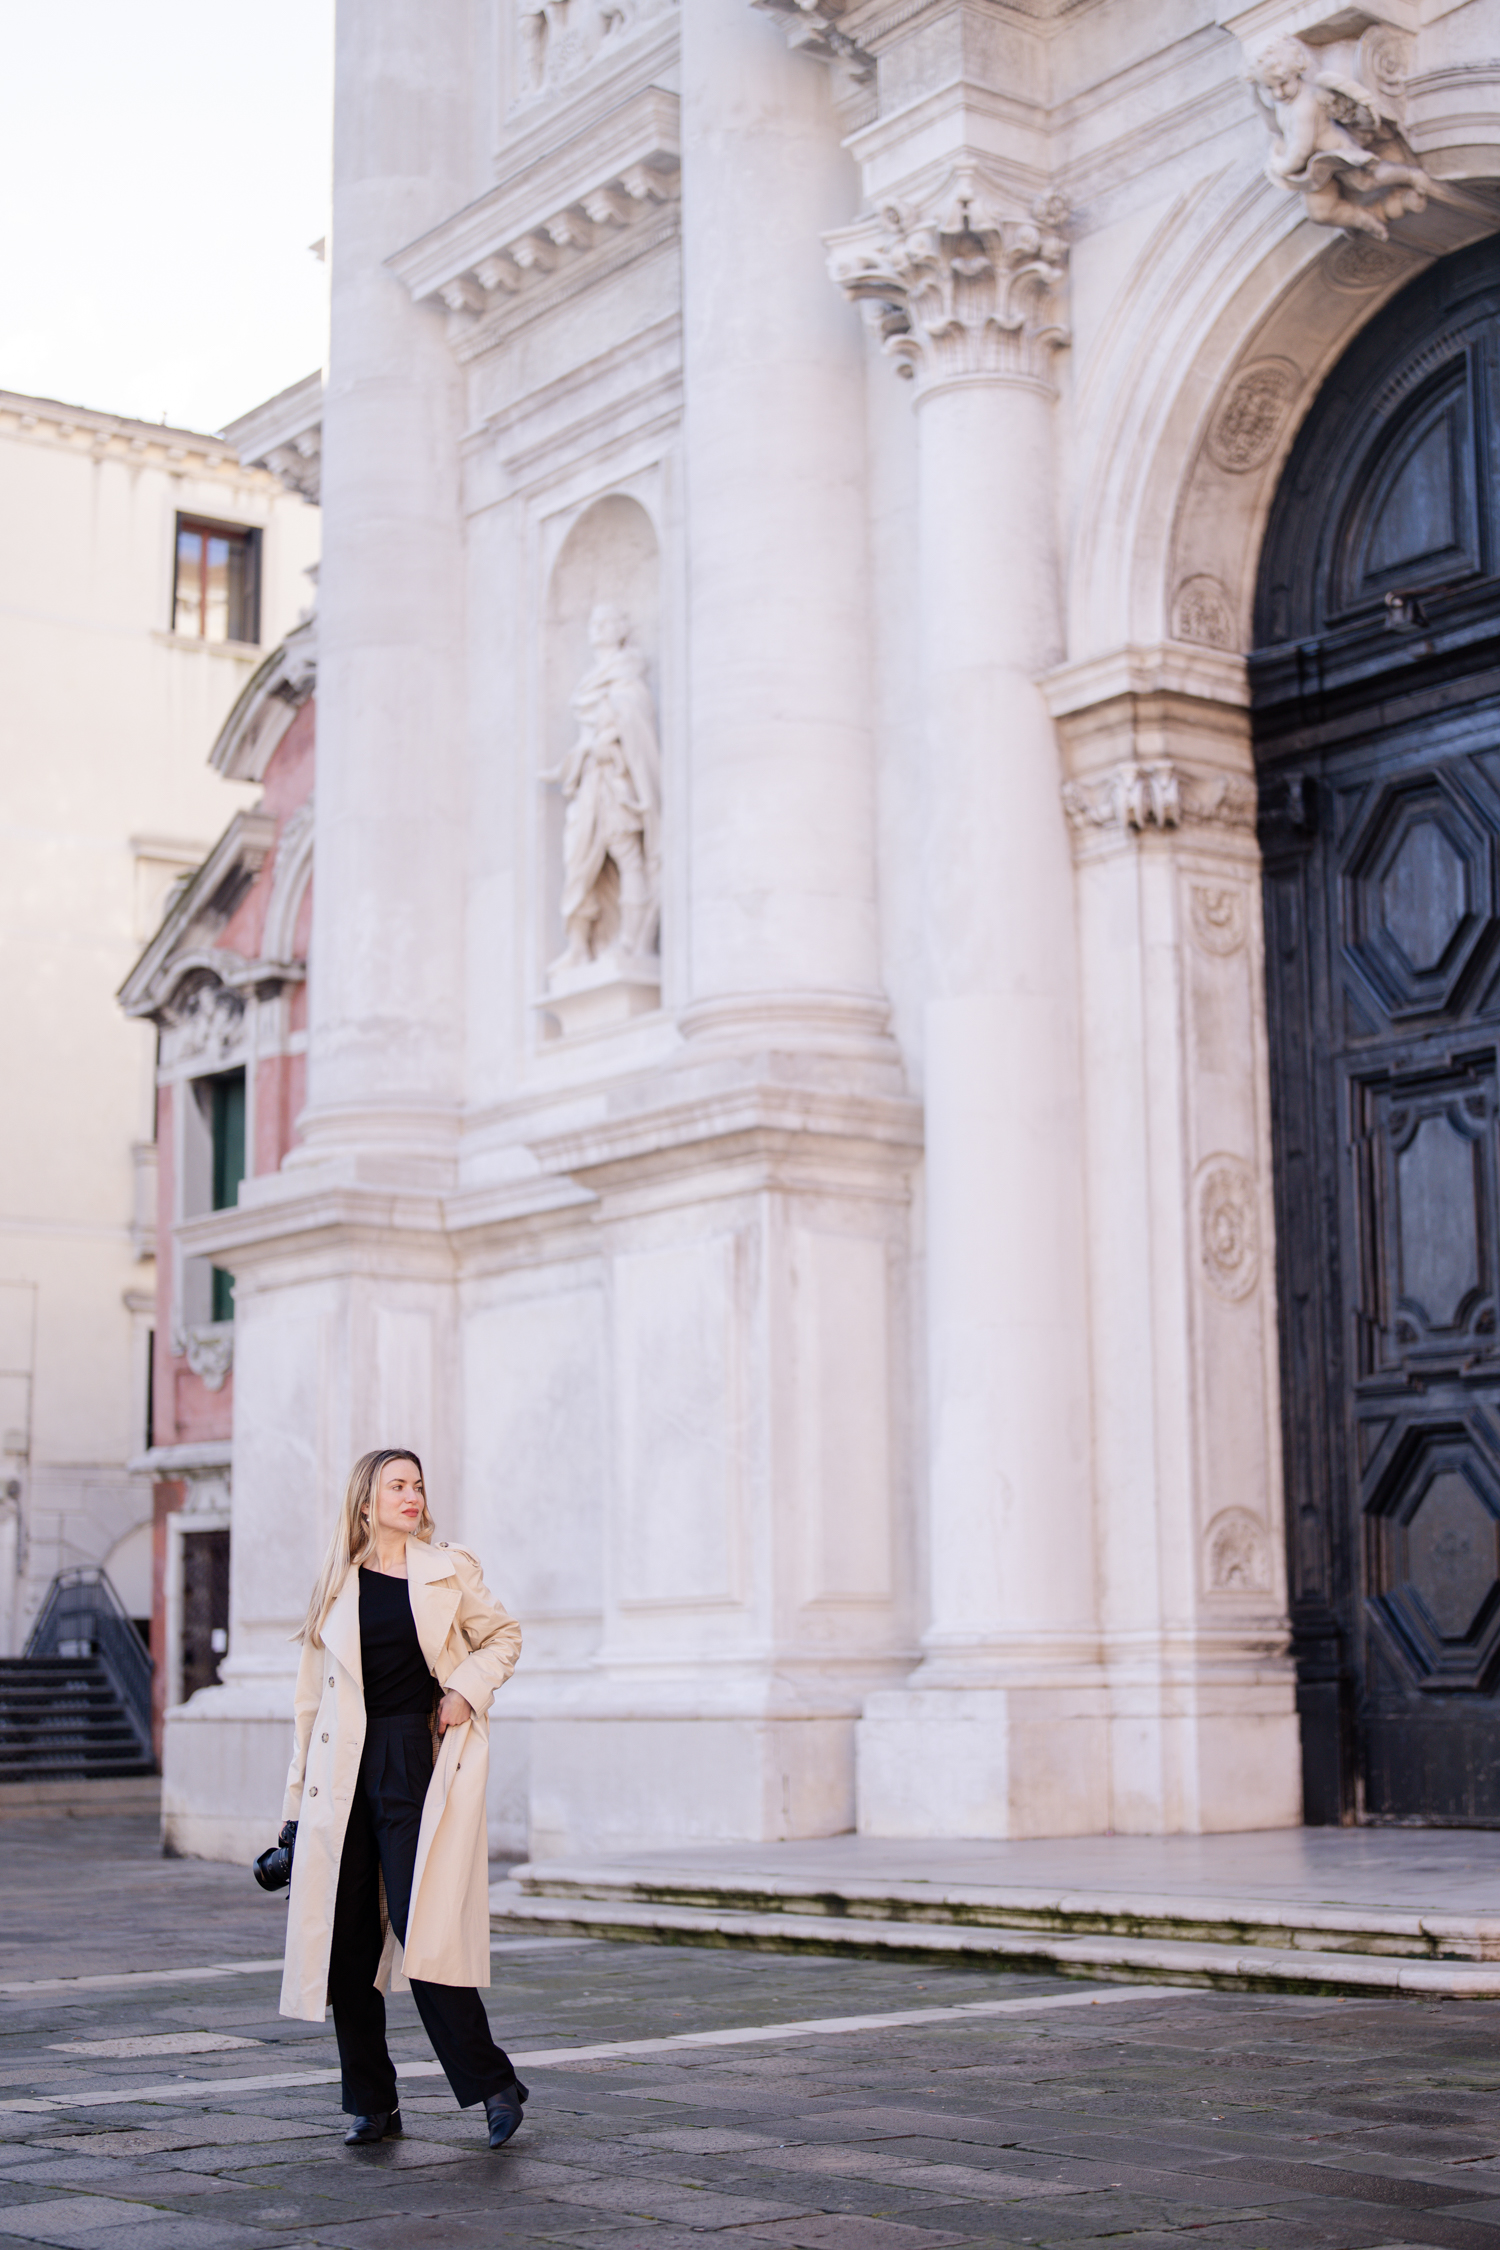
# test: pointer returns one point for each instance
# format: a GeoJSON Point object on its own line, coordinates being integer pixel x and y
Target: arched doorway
{"type": "Point", "coordinates": [1376, 696]}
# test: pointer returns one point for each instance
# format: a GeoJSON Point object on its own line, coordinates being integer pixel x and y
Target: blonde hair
{"type": "Point", "coordinates": [354, 1538]}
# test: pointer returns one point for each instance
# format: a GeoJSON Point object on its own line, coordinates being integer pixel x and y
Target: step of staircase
{"type": "Point", "coordinates": [61, 1720]}
{"type": "Point", "coordinates": [1243, 1944]}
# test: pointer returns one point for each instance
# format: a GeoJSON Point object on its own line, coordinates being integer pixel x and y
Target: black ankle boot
{"type": "Point", "coordinates": [504, 2113]}
{"type": "Point", "coordinates": [375, 2127]}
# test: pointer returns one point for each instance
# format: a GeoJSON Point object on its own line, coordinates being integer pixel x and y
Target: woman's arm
{"type": "Point", "coordinates": [493, 1636]}
{"type": "Point", "coordinates": [305, 1708]}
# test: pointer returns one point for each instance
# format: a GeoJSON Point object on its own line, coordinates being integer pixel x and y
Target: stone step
{"type": "Point", "coordinates": [61, 1719]}
{"type": "Point", "coordinates": [1247, 1945]}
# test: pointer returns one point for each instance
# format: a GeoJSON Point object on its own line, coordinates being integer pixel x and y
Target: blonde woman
{"type": "Point", "coordinates": [402, 1650]}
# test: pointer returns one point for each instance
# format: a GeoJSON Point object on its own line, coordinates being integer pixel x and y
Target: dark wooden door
{"type": "Point", "coordinates": [1376, 690]}
{"type": "Point", "coordinates": [205, 1608]}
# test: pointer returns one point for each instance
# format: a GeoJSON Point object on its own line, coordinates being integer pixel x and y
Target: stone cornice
{"type": "Point", "coordinates": [758, 1118]}
{"type": "Point", "coordinates": [570, 208]}
{"type": "Point", "coordinates": [1174, 668]}
{"type": "Point", "coordinates": [285, 436]}
{"type": "Point", "coordinates": [472, 335]}
{"type": "Point", "coordinates": [801, 1136]}
{"type": "Point", "coordinates": [157, 445]}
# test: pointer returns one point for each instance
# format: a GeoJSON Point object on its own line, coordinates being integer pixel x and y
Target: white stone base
{"type": "Point", "coordinates": [223, 1765]}
{"type": "Point", "coordinates": [612, 990]}
{"type": "Point", "coordinates": [609, 1785]}
{"type": "Point", "coordinates": [935, 1762]}
{"type": "Point", "coordinates": [983, 1762]}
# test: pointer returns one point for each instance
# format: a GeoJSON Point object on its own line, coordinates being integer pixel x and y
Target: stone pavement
{"type": "Point", "coordinates": [179, 2110]}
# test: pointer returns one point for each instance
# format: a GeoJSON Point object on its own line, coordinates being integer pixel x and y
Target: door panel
{"type": "Point", "coordinates": [1378, 737]}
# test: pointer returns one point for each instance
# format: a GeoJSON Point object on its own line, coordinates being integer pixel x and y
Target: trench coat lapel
{"type": "Point", "coordinates": [341, 1627]}
{"type": "Point", "coordinates": [435, 1595]}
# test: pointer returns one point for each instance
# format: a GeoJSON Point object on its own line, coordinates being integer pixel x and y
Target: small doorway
{"type": "Point", "coordinates": [205, 1608]}
{"type": "Point", "coordinates": [1376, 698]}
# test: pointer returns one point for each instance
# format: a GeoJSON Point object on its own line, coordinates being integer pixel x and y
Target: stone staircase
{"type": "Point", "coordinates": [1239, 1943]}
{"type": "Point", "coordinates": [61, 1719]}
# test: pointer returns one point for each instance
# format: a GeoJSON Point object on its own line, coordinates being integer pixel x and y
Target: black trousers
{"type": "Point", "coordinates": [381, 1839]}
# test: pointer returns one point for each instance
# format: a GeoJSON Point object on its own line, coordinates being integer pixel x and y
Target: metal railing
{"type": "Point", "coordinates": [84, 1616]}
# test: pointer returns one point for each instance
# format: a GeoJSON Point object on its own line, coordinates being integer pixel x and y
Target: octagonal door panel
{"type": "Point", "coordinates": [1377, 725]}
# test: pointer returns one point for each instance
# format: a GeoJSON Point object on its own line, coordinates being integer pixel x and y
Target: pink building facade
{"type": "Point", "coordinates": [225, 981]}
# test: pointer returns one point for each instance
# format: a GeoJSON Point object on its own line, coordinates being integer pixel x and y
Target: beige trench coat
{"type": "Point", "coordinates": [472, 1644]}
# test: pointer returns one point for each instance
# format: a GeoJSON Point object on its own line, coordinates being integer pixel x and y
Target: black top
{"type": "Point", "coordinates": [398, 1684]}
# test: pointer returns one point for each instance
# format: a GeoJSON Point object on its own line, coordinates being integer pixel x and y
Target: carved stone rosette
{"type": "Point", "coordinates": [961, 289]}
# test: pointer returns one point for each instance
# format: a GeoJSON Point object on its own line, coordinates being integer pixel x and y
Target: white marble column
{"type": "Point", "coordinates": [1001, 1730]}
{"type": "Point", "coordinates": [384, 1059]}
{"type": "Point", "coordinates": [344, 1305]}
{"type": "Point", "coordinates": [781, 816]}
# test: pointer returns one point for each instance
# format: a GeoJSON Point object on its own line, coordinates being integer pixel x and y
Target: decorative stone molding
{"type": "Point", "coordinates": [1201, 613]}
{"type": "Point", "coordinates": [209, 1352]}
{"type": "Point", "coordinates": [206, 1028]}
{"type": "Point", "coordinates": [812, 28]}
{"type": "Point", "coordinates": [1335, 113]}
{"type": "Point", "coordinates": [557, 40]}
{"type": "Point", "coordinates": [1217, 917]}
{"type": "Point", "coordinates": [1228, 1234]}
{"type": "Point", "coordinates": [1236, 1553]}
{"type": "Point", "coordinates": [1138, 795]}
{"type": "Point", "coordinates": [289, 879]}
{"type": "Point", "coordinates": [961, 288]}
{"type": "Point", "coordinates": [1248, 424]}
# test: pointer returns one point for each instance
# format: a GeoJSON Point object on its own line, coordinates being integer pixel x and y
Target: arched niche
{"type": "Point", "coordinates": [611, 554]}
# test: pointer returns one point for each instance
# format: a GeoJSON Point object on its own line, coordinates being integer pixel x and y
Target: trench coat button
{"type": "Point", "coordinates": [313, 1791]}
{"type": "Point", "coordinates": [325, 1738]}
{"type": "Point", "coordinates": [330, 1679]}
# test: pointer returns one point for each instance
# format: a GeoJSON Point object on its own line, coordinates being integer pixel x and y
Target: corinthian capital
{"type": "Point", "coordinates": [962, 288]}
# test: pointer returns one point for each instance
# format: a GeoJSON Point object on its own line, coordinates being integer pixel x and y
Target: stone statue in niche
{"type": "Point", "coordinates": [1338, 141]}
{"type": "Point", "coordinates": [611, 779]}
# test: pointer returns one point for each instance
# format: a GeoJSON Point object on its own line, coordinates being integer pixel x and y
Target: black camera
{"type": "Point", "coordinates": [273, 1869]}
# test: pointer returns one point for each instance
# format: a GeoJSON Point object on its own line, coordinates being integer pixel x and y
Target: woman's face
{"type": "Point", "coordinates": [399, 1498]}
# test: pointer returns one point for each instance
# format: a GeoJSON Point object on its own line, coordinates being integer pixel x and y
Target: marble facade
{"type": "Point", "coordinates": [847, 1329]}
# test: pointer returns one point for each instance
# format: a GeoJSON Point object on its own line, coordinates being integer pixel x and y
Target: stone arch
{"type": "Point", "coordinates": [1192, 389]}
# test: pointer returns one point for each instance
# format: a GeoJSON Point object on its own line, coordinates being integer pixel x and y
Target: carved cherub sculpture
{"type": "Point", "coordinates": [1336, 139]}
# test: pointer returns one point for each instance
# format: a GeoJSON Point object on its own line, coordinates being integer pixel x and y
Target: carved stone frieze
{"type": "Point", "coordinates": [1138, 795]}
{"type": "Point", "coordinates": [960, 286]}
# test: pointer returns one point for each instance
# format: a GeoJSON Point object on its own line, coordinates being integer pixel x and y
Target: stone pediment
{"type": "Point", "coordinates": [197, 911]}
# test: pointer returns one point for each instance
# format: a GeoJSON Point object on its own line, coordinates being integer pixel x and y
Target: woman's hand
{"type": "Point", "coordinates": [455, 1710]}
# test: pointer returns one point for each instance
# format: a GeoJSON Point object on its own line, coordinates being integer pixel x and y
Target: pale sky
{"type": "Point", "coordinates": [163, 167]}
